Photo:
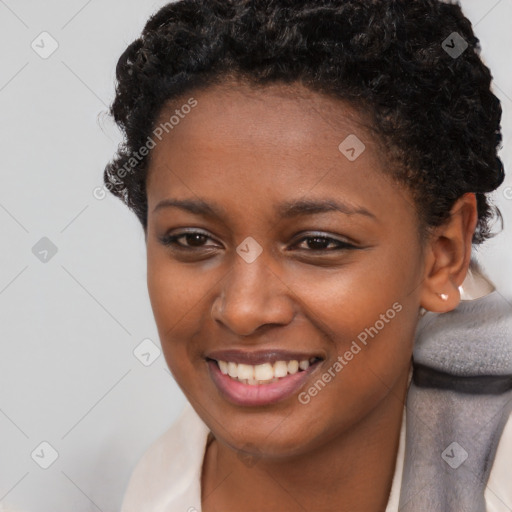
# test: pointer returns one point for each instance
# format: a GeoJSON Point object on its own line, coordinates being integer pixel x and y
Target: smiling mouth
{"type": "Point", "coordinates": [265, 373]}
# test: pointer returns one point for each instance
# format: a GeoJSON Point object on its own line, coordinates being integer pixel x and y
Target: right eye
{"type": "Point", "coordinates": [194, 239]}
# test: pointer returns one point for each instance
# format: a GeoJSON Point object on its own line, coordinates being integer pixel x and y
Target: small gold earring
{"type": "Point", "coordinates": [443, 296]}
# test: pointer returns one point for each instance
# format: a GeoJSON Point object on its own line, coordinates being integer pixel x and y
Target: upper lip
{"type": "Point", "coordinates": [259, 356]}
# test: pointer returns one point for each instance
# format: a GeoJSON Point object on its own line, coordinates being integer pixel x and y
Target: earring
{"type": "Point", "coordinates": [443, 296]}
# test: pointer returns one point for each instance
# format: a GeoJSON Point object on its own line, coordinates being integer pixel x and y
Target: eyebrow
{"type": "Point", "coordinates": [285, 210]}
{"type": "Point", "coordinates": [311, 206]}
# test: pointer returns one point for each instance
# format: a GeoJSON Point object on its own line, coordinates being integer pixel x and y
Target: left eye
{"type": "Point", "coordinates": [321, 243]}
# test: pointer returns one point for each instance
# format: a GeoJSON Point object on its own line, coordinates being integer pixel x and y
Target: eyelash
{"type": "Point", "coordinates": [171, 241]}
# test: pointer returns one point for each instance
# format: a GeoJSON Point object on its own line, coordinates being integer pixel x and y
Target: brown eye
{"type": "Point", "coordinates": [322, 243]}
{"type": "Point", "coordinates": [195, 239]}
{"type": "Point", "coordinates": [191, 239]}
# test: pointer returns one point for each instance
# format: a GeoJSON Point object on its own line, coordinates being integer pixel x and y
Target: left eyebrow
{"type": "Point", "coordinates": [309, 207]}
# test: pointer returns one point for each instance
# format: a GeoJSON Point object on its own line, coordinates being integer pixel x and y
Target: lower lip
{"type": "Point", "coordinates": [259, 394]}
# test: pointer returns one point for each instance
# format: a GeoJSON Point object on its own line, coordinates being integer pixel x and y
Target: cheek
{"type": "Point", "coordinates": [348, 389]}
{"type": "Point", "coordinates": [174, 289]}
{"type": "Point", "coordinates": [365, 315]}
{"type": "Point", "coordinates": [171, 296]}
{"type": "Point", "coordinates": [179, 299]}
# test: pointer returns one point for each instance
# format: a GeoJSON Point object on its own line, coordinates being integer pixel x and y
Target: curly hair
{"type": "Point", "coordinates": [432, 111]}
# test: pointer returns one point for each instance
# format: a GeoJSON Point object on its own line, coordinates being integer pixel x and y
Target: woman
{"type": "Point", "coordinates": [311, 177]}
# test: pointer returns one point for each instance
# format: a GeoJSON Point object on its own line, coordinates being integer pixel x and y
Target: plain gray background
{"type": "Point", "coordinates": [71, 321]}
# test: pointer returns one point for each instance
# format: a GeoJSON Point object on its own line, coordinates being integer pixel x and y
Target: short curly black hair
{"type": "Point", "coordinates": [431, 108]}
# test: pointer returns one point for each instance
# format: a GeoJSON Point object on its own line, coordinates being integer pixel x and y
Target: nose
{"type": "Point", "coordinates": [252, 296]}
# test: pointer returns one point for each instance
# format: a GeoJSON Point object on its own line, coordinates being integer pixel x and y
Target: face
{"type": "Point", "coordinates": [266, 244]}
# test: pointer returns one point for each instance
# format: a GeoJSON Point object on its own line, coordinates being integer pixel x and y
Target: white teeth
{"type": "Point", "coordinates": [223, 367]}
{"type": "Point", "coordinates": [280, 368]}
{"type": "Point", "coordinates": [293, 366]}
{"type": "Point", "coordinates": [233, 369]}
{"type": "Point", "coordinates": [245, 371]}
{"type": "Point", "coordinates": [304, 364]}
{"type": "Point", "coordinates": [263, 373]}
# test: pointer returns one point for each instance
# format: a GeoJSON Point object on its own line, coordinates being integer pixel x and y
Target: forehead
{"type": "Point", "coordinates": [281, 115]}
{"type": "Point", "coordinates": [267, 143]}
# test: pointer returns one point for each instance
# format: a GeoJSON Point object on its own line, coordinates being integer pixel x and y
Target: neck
{"type": "Point", "coordinates": [352, 471]}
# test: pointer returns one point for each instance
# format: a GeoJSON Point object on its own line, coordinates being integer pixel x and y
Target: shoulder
{"type": "Point", "coordinates": [499, 491]}
{"type": "Point", "coordinates": [169, 472]}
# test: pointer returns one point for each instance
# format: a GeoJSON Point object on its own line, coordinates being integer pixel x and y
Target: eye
{"type": "Point", "coordinates": [321, 243]}
{"type": "Point", "coordinates": [194, 239]}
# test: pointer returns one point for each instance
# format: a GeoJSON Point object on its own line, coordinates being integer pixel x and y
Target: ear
{"type": "Point", "coordinates": [447, 256]}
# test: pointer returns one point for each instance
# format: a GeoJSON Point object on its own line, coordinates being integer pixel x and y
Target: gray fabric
{"type": "Point", "coordinates": [467, 348]}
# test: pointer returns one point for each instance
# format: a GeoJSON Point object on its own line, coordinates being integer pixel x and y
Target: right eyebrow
{"type": "Point", "coordinates": [197, 207]}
